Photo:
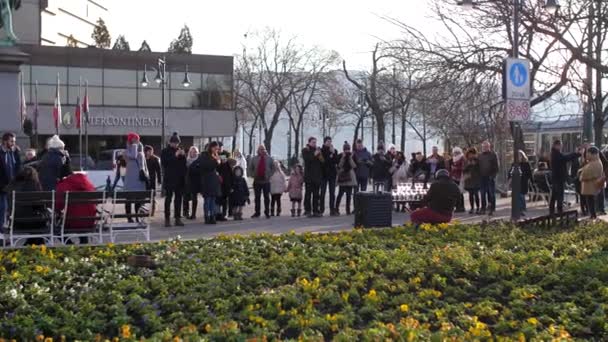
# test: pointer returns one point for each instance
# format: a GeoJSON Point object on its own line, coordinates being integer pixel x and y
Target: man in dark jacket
{"type": "Point", "coordinates": [440, 201]}
{"type": "Point", "coordinates": [364, 161]}
{"type": "Point", "coordinates": [260, 168]}
{"type": "Point", "coordinates": [488, 169]}
{"type": "Point", "coordinates": [10, 164]}
{"type": "Point", "coordinates": [313, 173]}
{"type": "Point", "coordinates": [559, 175]}
{"type": "Point", "coordinates": [435, 162]}
{"type": "Point", "coordinates": [381, 169]}
{"type": "Point", "coordinates": [330, 171]}
{"type": "Point", "coordinates": [173, 160]}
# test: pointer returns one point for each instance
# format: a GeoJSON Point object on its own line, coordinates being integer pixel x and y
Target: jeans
{"type": "Point", "coordinates": [311, 198]}
{"type": "Point", "coordinates": [3, 208]}
{"type": "Point", "coordinates": [488, 193]}
{"type": "Point", "coordinates": [361, 184]}
{"type": "Point", "coordinates": [522, 202]}
{"type": "Point", "coordinates": [348, 190]}
{"type": "Point", "coordinates": [474, 198]}
{"type": "Point", "coordinates": [557, 197]}
{"type": "Point", "coordinates": [177, 204]}
{"type": "Point", "coordinates": [591, 204]}
{"type": "Point", "coordinates": [209, 206]}
{"type": "Point", "coordinates": [331, 183]}
{"type": "Point", "coordinates": [258, 189]}
{"type": "Point", "coordinates": [275, 203]}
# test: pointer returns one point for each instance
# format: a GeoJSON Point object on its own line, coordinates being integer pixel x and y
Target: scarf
{"type": "Point", "coordinates": [261, 170]}
{"type": "Point", "coordinates": [189, 161]}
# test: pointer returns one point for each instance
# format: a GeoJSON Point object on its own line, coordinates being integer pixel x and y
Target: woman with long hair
{"type": "Point", "coordinates": [193, 184]}
{"type": "Point", "coordinates": [210, 180]}
{"type": "Point", "coordinates": [525, 175]}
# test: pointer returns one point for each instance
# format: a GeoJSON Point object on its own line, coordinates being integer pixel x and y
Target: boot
{"type": "Point", "coordinates": [293, 213]}
{"type": "Point", "coordinates": [178, 222]}
{"type": "Point", "coordinates": [299, 212]}
{"type": "Point", "coordinates": [193, 216]}
{"type": "Point", "coordinates": [206, 219]}
{"type": "Point", "coordinates": [278, 212]}
{"type": "Point", "coordinates": [235, 216]}
{"type": "Point", "coordinates": [167, 222]}
{"type": "Point", "coordinates": [272, 212]}
{"type": "Point", "coordinates": [212, 220]}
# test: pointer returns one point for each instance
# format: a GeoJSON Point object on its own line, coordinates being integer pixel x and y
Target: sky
{"type": "Point", "coordinates": [349, 27]}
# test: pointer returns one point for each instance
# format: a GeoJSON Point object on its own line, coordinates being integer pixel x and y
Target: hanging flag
{"type": "Point", "coordinates": [57, 117]}
{"type": "Point", "coordinates": [85, 102]}
{"type": "Point", "coordinates": [77, 113]}
{"type": "Point", "coordinates": [22, 104]}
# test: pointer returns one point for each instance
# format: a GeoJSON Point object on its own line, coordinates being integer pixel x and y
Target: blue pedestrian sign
{"type": "Point", "coordinates": [518, 74]}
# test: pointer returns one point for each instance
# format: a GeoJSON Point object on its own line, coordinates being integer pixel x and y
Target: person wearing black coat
{"type": "Point", "coordinates": [313, 173]}
{"type": "Point", "coordinates": [27, 181]}
{"type": "Point", "coordinates": [526, 175]}
{"type": "Point", "coordinates": [10, 164]}
{"type": "Point", "coordinates": [224, 169]}
{"type": "Point", "coordinates": [239, 194]}
{"type": "Point", "coordinates": [381, 169]}
{"type": "Point", "coordinates": [52, 163]}
{"type": "Point", "coordinates": [419, 169]}
{"type": "Point", "coordinates": [559, 174]}
{"type": "Point", "coordinates": [173, 161]}
{"type": "Point", "coordinates": [211, 186]}
{"type": "Point", "coordinates": [330, 171]}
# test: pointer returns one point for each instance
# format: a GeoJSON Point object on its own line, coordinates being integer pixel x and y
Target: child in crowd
{"type": "Point", "coordinates": [277, 188]}
{"type": "Point", "coordinates": [239, 194]}
{"type": "Point", "coordinates": [294, 188]}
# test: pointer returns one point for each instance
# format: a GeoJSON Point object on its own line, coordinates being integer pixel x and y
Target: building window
{"type": "Point", "coordinates": [176, 80]}
{"type": "Point", "coordinates": [119, 97]}
{"type": "Point", "coordinates": [95, 95]}
{"type": "Point", "coordinates": [184, 98]}
{"type": "Point", "coordinates": [150, 97]}
{"type": "Point", "coordinates": [46, 94]}
{"type": "Point", "coordinates": [119, 78]}
{"type": "Point", "coordinates": [48, 74]}
{"type": "Point", "coordinates": [90, 75]}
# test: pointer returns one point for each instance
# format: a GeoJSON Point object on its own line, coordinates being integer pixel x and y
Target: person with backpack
{"type": "Point", "coordinates": [347, 178]}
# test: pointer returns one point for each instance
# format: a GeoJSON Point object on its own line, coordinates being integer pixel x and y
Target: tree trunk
{"type": "Point", "coordinates": [251, 141]}
{"type": "Point", "coordinates": [296, 146]}
{"type": "Point", "coordinates": [268, 139]}
{"type": "Point", "coordinates": [598, 127]}
{"type": "Point", "coordinates": [357, 127]}
{"type": "Point", "coordinates": [380, 128]}
{"type": "Point", "coordinates": [403, 131]}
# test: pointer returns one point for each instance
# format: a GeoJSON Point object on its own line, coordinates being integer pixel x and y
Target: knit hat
{"type": "Point", "coordinates": [390, 147]}
{"type": "Point", "coordinates": [442, 174]}
{"type": "Point", "coordinates": [457, 150]}
{"type": "Point", "coordinates": [346, 146]}
{"type": "Point", "coordinates": [175, 138]}
{"type": "Point", "coordinates": [55, 142]}
{"type": "Point", "coordinates": [132, 136]}
{"type": "Point", "coordinates": [593, 150]}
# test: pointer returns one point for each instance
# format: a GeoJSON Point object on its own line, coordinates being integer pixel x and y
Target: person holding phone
{"type": "Point", "coordinates": [173, 161]}
{"type": "Point", "coordinates": [313, 174]}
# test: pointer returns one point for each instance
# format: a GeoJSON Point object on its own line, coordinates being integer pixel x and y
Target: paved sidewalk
{"type": "Point", "coordinates": [285, 223]}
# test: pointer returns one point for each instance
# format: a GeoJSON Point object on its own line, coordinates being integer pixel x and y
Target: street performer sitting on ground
{"type": "Point", "coordinates": [439, 201]}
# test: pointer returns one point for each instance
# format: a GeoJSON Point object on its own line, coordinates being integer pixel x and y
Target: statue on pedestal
{"type": "Point", "coordinates": [6, 20]}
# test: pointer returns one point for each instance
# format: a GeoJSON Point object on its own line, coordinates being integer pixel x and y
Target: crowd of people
{"type": "Point", "coordinates": [324, 180]}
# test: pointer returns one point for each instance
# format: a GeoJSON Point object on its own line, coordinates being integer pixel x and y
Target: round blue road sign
{"type": "Point", "coordinates": [518, 74]}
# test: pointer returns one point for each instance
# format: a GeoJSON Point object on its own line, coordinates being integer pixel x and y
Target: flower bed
{"type": "Point", "coordinates": [458, 282]}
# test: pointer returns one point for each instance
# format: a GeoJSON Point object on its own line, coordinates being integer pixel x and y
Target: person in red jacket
{"type": "Point", "coordinates": [75, 182]}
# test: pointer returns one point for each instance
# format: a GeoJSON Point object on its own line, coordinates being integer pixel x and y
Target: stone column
{"type": "Point", "coordinates": [11, 59]}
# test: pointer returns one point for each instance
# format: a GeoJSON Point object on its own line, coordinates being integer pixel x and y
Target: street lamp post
{"type": "Point", "coordinates": [552, 7]}
{"type": "Point", "coordinates": [161, 80]}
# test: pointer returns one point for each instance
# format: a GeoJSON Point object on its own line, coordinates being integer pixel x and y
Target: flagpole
{"type": "Point", "coordinates": [79, 118]}
{"type": "Point", "coordinates": [36, 115]}
{"type": "Point", "coordinates": [85, 112]}
{"type": "Point", "coordinates": [57, 106]}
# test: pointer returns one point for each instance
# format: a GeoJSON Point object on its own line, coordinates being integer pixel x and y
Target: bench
{"type": "Point", "coordinates": [566, 219]}
{"type": "Point", "coordinates": [32, 215]}
{"type": "Point", "coordinates": [138, 222]}
{"type": "Point", "coordinates": [92, 231]}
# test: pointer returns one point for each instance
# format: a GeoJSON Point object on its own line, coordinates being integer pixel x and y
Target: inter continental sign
{"type": "Point", "coordinates": [516, 89]}
{"type": "Point", "coordinates": [129, 121]}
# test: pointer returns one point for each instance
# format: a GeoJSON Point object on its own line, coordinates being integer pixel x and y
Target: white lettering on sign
{"type": "Point", "coordinates": [131, 121]}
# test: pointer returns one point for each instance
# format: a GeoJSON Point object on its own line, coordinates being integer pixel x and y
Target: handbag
{"type": "Point", "coordinates": [143, 176]}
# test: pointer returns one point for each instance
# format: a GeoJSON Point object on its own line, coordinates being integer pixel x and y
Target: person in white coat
{"type": "Point", "coordinates": [240, 161]}
{"type": "Point", "coordinates": [278, 186]}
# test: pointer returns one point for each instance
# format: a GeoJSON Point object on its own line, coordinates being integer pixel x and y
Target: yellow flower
{"type": "Point", "coordinates": [208, 328]}
{"type": "Point", "coordinates": [125, 331]}
{"type": "Point", "coordinates": [48, 339]}
{"type": "Point", "coordinates": [177, 339]}
{"type": "Point", "coordinates": [43, 249]}
{"type": "Point", "coordinates": [40, 338]}
{"type": "Point", "coordinates": [404, 308]}
{"type": "Point", "coordinates": [532, 321]}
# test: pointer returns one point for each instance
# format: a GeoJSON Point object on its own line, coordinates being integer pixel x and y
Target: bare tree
{"type": "Point", "coordinates": [347, 103]}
